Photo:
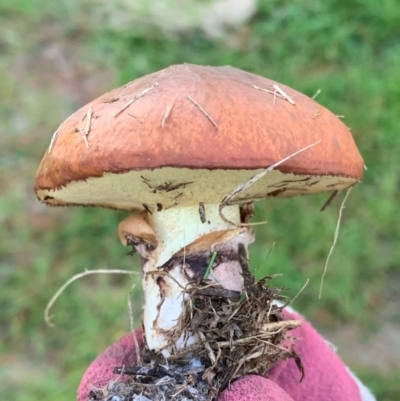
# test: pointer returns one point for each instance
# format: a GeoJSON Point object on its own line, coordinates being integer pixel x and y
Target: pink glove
{"type": "Point", "coordinates": [326, 377]}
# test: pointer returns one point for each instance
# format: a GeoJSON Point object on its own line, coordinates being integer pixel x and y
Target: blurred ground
{"type": "Point", "coordinates": [55, 57]}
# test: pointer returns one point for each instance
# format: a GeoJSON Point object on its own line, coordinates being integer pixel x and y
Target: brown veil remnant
{"type": "Point", "coordinates": [175, 148]}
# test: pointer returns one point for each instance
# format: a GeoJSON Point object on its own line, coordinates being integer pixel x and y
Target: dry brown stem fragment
{"type": "Point", "coordinates": [111, 100]}
{"type": "Point", "coordinates": [284, 324]}
{"type": "Point", "coordinates": [329, 201]}
{"type": "Point", "coordinates": [181, 390]}
{"type": "Point", "coordinates": [54, 136]}
{"type": "Point", "coordinates": [284, 94]}
{"type": "Point", "coordinates": [318, 113]}
{"type": "Point", "coordinates": [242, 187]}
{"type": "Point", "coordinates": [132, 115]}
{"type": "Point", "coordinates": [267, 90]}
{"type": "Point", "coordinates": [253, 355]}
{"type": "Point", "coordinates": [49, 305]}
{"type": "Point", "coordinates": [208, 347]}
{"type": "Point", "coordinates": [202, 212]}
{"type": "Point", "coordinates": [164, 273]}
{"type": "Point", "coordinates": [335, 237]}
{"type": "Point", "coordinates": [296, 296]}
{"type": "Point", "coordinates": [88, 126]}
{"type": "Point", "coordinates": [201, 108]}
{"type": "Point", "coordinates": [138, 96]}
{"type": "Point", "coordinates": [167, 114]}
{"type": "Point", "coordinates": [278, 92]}
{"type": "Point", "coordinates": [85, 131]}
{"type": "Point", "coordinates": [316, 94]}
{"type": "Point", "coordinates": [133, 331]}
{"type": "Point", "coordinates": [240, 341]}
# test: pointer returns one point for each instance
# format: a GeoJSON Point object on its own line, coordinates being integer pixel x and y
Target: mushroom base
{"type": "Point", "coordinates": [189, 250]}
{"type": "Point", "coordinates": [206, 320]}
{"type": "Point", "coordinates": [215, 264]}
{"type": "Point", "coordinates": [236, 337]}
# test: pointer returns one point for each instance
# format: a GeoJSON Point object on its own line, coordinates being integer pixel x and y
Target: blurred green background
{"type": "Point", "coordinates": [56, 56]}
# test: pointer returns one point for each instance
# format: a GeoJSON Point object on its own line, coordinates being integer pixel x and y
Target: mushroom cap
{"type": "Point", "coordinates": [193, 133]}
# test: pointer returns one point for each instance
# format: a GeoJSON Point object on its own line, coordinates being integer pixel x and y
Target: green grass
{"type": "Point", "coordinates": [348, 49]}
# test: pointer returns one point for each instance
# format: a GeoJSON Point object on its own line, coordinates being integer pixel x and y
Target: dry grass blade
{"type": "Point", "coordinates": [318, 113]}
{"type": "Point", "coordinates": [277, 92]}
{"type": "Point", "coordinates": [55, 135]}
{"type": "Point", "coordinates": [71, 280]}
{"type": "Point", "coordinates": [167, 114]}
{"type": "Point", "coordinates": [88, 125]}
{"type": "Point", "coordinates": [297, 295]}
{"type": "Point", "coordinates": [138, 96]}
{"type": "Point", "coordinates": [329, 201]}
{"type": "Point", "coordinates": [342, 206]}
{"type": "Point", "coordinates": [316, 94]}
{"type": "Point", "coordinates": [284, 94]}
{"type": "Point", "coordinates": [132, 323]}
{"type": "Point", "coordinates": [203, 110]}
{"type": "Point", "coordinates": [242, 187]}
{"type": "Point", "coordinates": [284, 324]}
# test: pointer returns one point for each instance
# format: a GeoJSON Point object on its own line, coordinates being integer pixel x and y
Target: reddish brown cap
{"type": "Point", "coordinates": [163, 130]}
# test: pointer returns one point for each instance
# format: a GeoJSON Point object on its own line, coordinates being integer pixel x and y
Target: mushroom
{"type": "Point", "coordinates": [170, 148]}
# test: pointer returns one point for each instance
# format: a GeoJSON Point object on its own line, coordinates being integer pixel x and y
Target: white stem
{"type": "Point", "coordinates": [178, 227]}
{"type": "Point", "coordinates": [165, 300]}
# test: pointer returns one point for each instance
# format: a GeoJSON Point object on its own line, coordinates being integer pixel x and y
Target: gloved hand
{"type": "Point", "coordinates": [326, 376]}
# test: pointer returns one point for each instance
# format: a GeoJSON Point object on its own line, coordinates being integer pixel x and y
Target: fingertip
{"type": "Point", "coordinates": [100, 371]}
{"type": "Point", "coordinates": [254, 388]}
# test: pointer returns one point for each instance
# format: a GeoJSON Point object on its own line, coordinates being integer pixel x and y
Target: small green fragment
{"type": "Point", "coordinates": [210, 263]}
{"type": "Point", "coordinates": [192, 303]}
{"type": "Point", "coordinates": [243, 296]}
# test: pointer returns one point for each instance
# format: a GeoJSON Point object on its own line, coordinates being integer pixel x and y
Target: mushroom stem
{"type": "Point", "coordinates": [194, 245]}
{"type": "Point", "coordinates": [177, 227]}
